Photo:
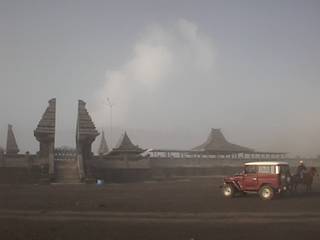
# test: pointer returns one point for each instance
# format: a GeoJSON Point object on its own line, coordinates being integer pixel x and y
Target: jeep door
{"type": "Point", "coordinates": [267, 175]}
{"type": "Point", "coordinates": [250, 180]}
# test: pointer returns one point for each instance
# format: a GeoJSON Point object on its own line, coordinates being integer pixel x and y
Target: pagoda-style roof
{"type": "Point", "coordinates": [217, 143]}
{"type": "Point", "coordinates": [47, 123]}
{"type": "Point", "coordinates": [12, 146]}
{"type": "Point", "coordinates": [126, 146]}
{"type": "Point", "coordinates": [103, 148]}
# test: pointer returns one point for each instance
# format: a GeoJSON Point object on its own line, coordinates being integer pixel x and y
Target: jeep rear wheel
{"type": "Point", "coordinates": [266, 192]}
{"type": "Point", "coordinates": [228, 190]}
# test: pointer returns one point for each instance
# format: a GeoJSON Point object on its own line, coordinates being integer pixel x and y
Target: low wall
{"type": "Point", "coordinates": [22, 169]}
{"type": "Point", "coordinates": [30, 169]}
{"type": "Point", "coordinates": [119, 170]}
{"type": "Point", "coordinates": [20, 175]}
{"type": "Point", "coordinates": [163, 162]}
{"type": "Point", "coordinates": [193, 171]}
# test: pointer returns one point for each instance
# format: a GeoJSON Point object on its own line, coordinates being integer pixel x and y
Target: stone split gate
{"type": "Point", "coordinates": [65, 165]}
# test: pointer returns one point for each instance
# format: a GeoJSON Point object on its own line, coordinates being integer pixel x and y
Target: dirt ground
{"type": "Point", "coordinates": [181, 209]}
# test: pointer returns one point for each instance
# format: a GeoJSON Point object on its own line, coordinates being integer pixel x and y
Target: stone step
{"type": "Point", "coordinates": [67, 179]}
{"type": "Point", "coordinates": [66, 172]}
{"type": "Point", "coordinates": [71, 168]}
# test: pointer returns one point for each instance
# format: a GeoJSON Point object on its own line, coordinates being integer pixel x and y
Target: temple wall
{"type": "Point", "coordinates": [25, 168]}
{"type": "Point", "coordinates": [22, 169]}
{"type": "Point", "coordinates": [163, 162]}
{"type": "Point", "coordinates": [20, 175]}
{"type": "Point", "coordinates": [122, 163]}
{"type": "Point", "coordinates": [161, 167]}
{"type": "Point", "coordinates": [119, 169]}
{"type": "Point", "coordinates": [20, 160]}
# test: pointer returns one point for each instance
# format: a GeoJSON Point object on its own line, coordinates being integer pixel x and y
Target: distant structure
{"type": "Point", "coordinates": [126, 147]}
{"type": "Point", "coordinates": [125, 162]}
{"type": "Point", "coordinates": [216, 147]}
{"type": "Point", "coordinates": [103, 148]}
{"type": "Point", "coordinates": [12, 146]}
{"type": "Point", "coordinates": [217, 143]}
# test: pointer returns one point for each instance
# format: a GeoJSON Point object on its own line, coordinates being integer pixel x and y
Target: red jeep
{"type": "Point", "coordinates": [265, 178]}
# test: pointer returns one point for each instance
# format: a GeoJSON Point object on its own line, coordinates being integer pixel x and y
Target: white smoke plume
{"type": "Point", "coordinates": [163, 60]}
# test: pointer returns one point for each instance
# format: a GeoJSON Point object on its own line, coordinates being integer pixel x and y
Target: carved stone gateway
{"type": "Point", "coordinates": [85, 136]}
{"type": "Point", "coordinates": [45, 134]}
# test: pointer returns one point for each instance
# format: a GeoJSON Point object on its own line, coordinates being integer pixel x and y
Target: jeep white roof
{"type": "Point", "coordinates": [266, 163]}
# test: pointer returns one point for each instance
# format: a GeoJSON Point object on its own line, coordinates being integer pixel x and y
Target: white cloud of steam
{"type": "Point", "coordinates": [164, 59]}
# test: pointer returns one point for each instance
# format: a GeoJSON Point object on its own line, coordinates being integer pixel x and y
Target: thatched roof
{"type": "Point", "coordinates": [126, 146]}
{"type": "Point", "coordinates": [217, 143]}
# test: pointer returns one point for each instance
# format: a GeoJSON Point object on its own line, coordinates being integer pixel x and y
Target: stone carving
{"type": "Point", "coordinates": [86, 132]}
{"type": "Point", "coordinates": [12, 147]}
{"type": "Point", "coordinates": [45, 131]}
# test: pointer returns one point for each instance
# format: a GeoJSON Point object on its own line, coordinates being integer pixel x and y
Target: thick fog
{"type": "Point", "coordinates": [172, 71]}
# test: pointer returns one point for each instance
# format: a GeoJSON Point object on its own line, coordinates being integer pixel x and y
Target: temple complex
{"type": "Point", "coordinates": [12, 146]}
{"type": "Point", "coordinates": [125, 162]}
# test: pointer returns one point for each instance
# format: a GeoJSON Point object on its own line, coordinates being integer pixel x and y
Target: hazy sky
{"type": "Point", "coordinates": [173, 69]}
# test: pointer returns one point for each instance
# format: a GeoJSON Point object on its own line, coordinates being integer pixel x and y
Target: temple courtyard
{"type": "Point", "coordinates": [184, 208]}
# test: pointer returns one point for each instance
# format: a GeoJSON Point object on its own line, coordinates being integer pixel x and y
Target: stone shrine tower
{"type": "Point", "coordinates": [12, 147]}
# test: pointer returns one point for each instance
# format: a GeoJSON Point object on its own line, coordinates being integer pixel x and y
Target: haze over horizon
{"type": "Point", "coordinates": [173, 71]}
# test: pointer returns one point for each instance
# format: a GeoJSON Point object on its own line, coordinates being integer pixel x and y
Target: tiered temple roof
{"type": "Point", "coordinates": [85, 125]}
{"type": "Point", "coordinates": [126, 146]}
{"type": "Point", "coordinates": [47, 123]}
{"type": "Point", "coordinates": [103, 148]}
{"type": "Point", "coordinates": [217, 143]}
{"type": "Point", "coordinates": [12, 146]}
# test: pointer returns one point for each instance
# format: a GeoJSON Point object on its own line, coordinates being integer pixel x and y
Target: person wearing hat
{"type": "Point", "coordinates": [301, 169]}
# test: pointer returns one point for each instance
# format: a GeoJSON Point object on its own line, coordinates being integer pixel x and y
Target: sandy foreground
{"type": "Point", "coordinates": [180, 209]}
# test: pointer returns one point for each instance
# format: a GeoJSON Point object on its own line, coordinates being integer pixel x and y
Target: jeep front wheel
{"type": "Point", "coordinates": [266, 192]}
{"type": "Point", "coordinates": [228, 190]}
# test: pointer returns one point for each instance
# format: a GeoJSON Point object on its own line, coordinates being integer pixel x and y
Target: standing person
{"type": "Point", "coordinates": [301, 169]}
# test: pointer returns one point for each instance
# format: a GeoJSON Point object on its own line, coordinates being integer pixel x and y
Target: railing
{"type": "Point", "coordinates": [65, 154]}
